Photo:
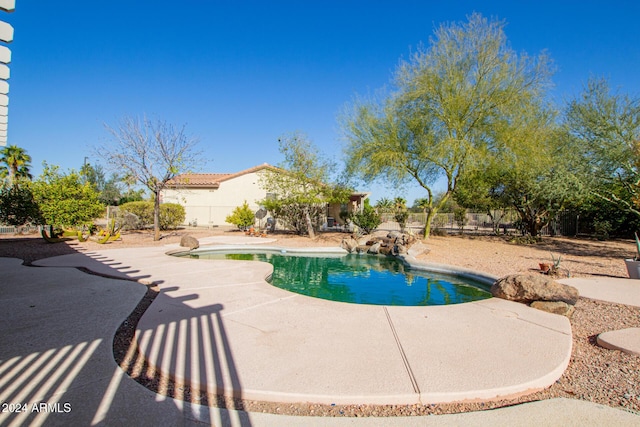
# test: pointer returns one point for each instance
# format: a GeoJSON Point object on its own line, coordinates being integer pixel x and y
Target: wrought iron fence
{"type": "Point", "coordinates": [9, 229]}
{"type": "Point", "coordinates": [565, 223]}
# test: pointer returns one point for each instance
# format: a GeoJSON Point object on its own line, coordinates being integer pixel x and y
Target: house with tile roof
{"type": "Point", "coordinates": [208, 198]}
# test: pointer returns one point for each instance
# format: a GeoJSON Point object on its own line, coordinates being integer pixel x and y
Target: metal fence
{"type": "Point", "coordinates": [565, 223]}
{"type": "Point", "coordinates": [9, 229]}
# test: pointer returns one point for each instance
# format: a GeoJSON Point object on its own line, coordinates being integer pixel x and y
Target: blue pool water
{"type": "Point", "coordinates": [362, 279]}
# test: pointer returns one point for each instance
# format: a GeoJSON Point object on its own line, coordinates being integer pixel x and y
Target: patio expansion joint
{"type": "Point", "coordinates": [262, 304]}
{"type": "Point", "coordinates": [405, 360]}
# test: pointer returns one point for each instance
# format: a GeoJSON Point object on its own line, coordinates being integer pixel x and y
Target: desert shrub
{"type": "Point", "coordinates": [602, 229]}
{"type": "Point", "coordinates": [18, 207]}
{"type": "Point", "coordinates": [143, 211]}
{"type": "Point", "coordinates": [460, 217]}
{"type": "Point", "coordinates": [293, 214]}
{"type": "Point", "coordinates": [171, 215]}
{"type": "Point", "coordinates": [368, 220]}
{"type": "Point", "coordinates": [436, 231]}
{"type": "Point", "coordinates": [242, 216]}
{"type": "Point", "coordinates": [401, 217]}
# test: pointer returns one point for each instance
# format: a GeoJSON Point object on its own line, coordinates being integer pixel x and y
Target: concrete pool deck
{"type": "Point", "coordinates": [290, 348]}
{"type": "Point", "coordinates": [220, 326]}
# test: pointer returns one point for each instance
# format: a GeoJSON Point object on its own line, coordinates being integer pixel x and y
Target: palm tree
{"type": "Point", "coordinates": [401, 214]}
{"type": "Point", "coordinates": [400, 203]}
{"type": "Point", "coordinates": [424, 204]}
{"type": "Point", "coordinates": [384, 205]}
{"type": "Point", "coordinates": [14, 163]}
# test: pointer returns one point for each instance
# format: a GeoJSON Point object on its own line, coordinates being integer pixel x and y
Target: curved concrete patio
{"type": "Point", "coordinates": [219, 326]}
{"type": "Point", "coordinates": [59, 323]}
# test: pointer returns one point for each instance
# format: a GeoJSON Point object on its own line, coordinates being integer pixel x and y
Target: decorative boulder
{"type": "Point", "coordinates": [375, 248]}
{"type": "Point", "coordinates": [555, 307]}
{"type": "Point", "coordinates": [189, 242]}
{"type": "Point", "coordinates": [362, 241]}
{"type": "Point", "coordinates": [418, 249]}
{"type": "Point", "coordinates": [394, 243]}
{"type": "Point", "coordinates": [399, 249]}
{"type": "Point", "coordinates": [349, 244]}
{"type": "Point", "coordinates": [539, 292]}
{"type": "Point", "coordinates": [362, 249]}
{"type": "Point", "coordinates": [528, 288]}
{"type": "Point", "coordinates": [394, 235]}
{"type": "Point", "coordinates": [386, 250]}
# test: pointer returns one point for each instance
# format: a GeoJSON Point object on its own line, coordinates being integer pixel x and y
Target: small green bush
{"type": "Point", "coordinates": [171, 214]}
{"type": "Point", "coordinates": [401, 217]}
{"type": "Point", "coordinates": [18, 206]}
{"type": "Point", "coordinates": [368, 220]}
{"type": "Point", "coordinates": [436, 231]}
{"type": "Point", "coordinates": [602, 229]}
{"type": "Point", "coordinates": [143, 210]}
{"type": "Point", "coordinates": [460, 216]}
{"type": "Point", "coordinates": [241, 216]}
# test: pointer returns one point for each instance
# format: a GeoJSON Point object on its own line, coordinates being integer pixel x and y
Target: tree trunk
{"type": "Point", "coordinates": [429, 221]}
{"type": "Point", "coordinates": [156, 216]}
{"type": "Point", "coordinates": [307, 217]}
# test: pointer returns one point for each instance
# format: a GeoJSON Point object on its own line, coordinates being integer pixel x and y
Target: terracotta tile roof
{"type": "Point", "coordinates": [211, 180]}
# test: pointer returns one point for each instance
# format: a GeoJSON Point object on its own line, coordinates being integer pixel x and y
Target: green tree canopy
{"type": "Point", "coordinates": [114, 190]}
{"type": "Point", "coordinates": [606, 127]}
{"type": "Point", "coordinates": [533, 173]}
{"type": "Point", "coordinates": [65, 199]}
{"type": "Point", "coordinates": [301, 185]}
{"type": "Point", "coordinates": [18, 206]}
{"type": "Point", "coordinates": [453, 101]}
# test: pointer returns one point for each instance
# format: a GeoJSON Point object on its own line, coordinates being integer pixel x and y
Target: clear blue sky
{"type": "Point", "coordinates": [242, 73]}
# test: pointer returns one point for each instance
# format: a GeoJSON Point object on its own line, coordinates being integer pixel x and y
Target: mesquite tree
{"type": "Point", "coordinates": [452, 102]}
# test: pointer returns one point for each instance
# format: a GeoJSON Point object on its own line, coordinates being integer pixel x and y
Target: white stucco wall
{"type": "Point", "coordinates": [211, 207]}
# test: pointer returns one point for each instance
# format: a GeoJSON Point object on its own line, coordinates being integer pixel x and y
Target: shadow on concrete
{"type": "Point", "coordinates": [204, 374]}
{"type": "Point", "coordinates": [57, 362]}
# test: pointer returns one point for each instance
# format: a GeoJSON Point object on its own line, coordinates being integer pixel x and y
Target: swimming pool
{"type": "Point", "coordinates": [361, 279]}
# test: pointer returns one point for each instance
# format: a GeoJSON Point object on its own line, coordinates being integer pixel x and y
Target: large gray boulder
{"type": "Point", "coordinates": [189, 242]}
{"type": "Point", "coordinates": [526, 288]}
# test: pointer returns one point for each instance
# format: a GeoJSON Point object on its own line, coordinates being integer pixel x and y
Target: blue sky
{"type": "Point", "coordinates": [241, 73]}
